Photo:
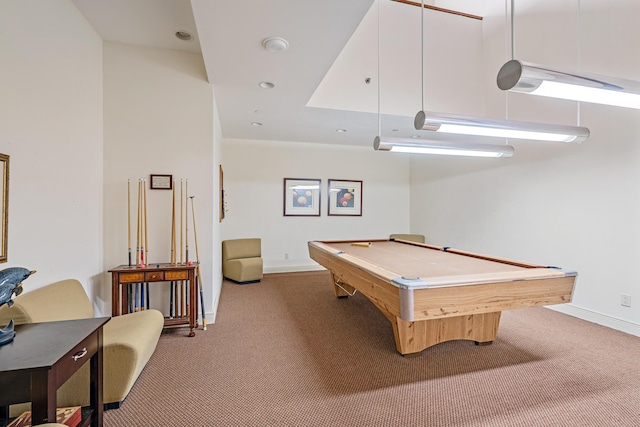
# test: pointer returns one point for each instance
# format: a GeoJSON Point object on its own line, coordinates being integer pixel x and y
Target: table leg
{"type": "Point", "coordinates": [124, 292]}
{"type": "Point", "coordinates": [413, 337]}
{"type": "Point", "coordinates": [43, 397]}
{"type": "Point", "coordinates": [192, 302]}
{"type": "Point", "coordinates": [96, 381]}
{"type": "Point", "coordinates": [115, 294]}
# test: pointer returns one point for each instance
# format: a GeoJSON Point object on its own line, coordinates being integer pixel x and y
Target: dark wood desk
{"type": "Point", "coordinates": [45, 355]}
{"type": "Point", "coordinates": [164, 272]}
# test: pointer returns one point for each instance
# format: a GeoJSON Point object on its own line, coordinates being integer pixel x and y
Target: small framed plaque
{"type": "Point", "coordinates": [160, 182]}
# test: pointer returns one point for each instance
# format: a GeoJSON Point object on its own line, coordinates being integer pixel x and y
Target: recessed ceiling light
{"type": "Point", "coordinates": [341, 130]}
{"type": "Point", "coordinates": [415, 136]}
{"type": "Point", "coordinates": [256, 124]}
{"type": "Point", "coordinates": [184, 35]}
{"type": "Point", "coordinates": [275, 44]}
{"type": "Point", "coordinates": [266, 85]}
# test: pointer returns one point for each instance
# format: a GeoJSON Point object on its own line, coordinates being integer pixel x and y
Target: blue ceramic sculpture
{"type": "Point", "coordinates": [11, 284]}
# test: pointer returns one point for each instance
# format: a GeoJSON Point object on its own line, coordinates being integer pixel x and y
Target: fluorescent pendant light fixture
{"type": "Point", "coordinates": [405, 145]}
{"type": "Point", "coordinates": [518, 76]}
{"type": "Point", "coordinates": [402, 145]}
{"type": "Point", "coordinates": [479, 126]}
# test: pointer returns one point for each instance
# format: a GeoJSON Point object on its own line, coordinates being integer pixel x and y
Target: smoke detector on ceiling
{"type": "Point", "coordinates": [275, 44]}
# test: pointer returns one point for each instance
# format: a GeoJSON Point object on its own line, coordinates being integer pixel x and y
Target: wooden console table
{"type": "Point", "coordinates": [42, 357]}
{"type": "Point", "coordinates": [153, 273]}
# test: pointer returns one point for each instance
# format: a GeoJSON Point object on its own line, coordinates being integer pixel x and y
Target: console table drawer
{"type": "Point", "coordinates": [131, 278]}
{"type": "Point", "coordinates": [75, 358]}
{"type": "Point", "coordinates": [176, 275]}
{"type": "Point", "coordinates": [154, 276]}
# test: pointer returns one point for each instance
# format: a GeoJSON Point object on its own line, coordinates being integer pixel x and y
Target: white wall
{"type": "Point", "coordinates": [216, 236]}
{"type": "Point", "coordinates": [253, 178]}
{"type": "Point", "coordinates": [574, 206]}
{"type": "Point", "coordinates": [51, 126]}
{"type": "Point", "coordinates": [159, 118]}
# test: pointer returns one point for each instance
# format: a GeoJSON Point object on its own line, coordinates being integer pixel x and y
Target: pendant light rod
{"type": "Point", "coordinates": [402, 145]}
{"type": "Point", "coordinates": [418, 146]}
{"type": "Point", "coordinates": [422, 51]}
{"type": "Point", "coordinates": [379, 113]}
{"type": "Point", "coordinates": [513, 36]}
{"type": "Point", "coordinates": [480, 126]}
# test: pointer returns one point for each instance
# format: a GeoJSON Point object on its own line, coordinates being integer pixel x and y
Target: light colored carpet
{"type": "Point", "coordinates": [286, 352]}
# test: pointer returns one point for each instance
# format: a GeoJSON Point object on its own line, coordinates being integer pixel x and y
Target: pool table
{"type": "Point", "coordinates": [434, 294]}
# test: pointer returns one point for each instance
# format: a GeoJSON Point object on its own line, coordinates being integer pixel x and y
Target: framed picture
{"type": "Point", "coordinates": [221, 195]}
{"type": "Point", "coordinates": [160, 182]}
{"type": "Point", "coordinates": [301, 197]}
{"type": "Point", "coordinates": [345, 197]}
{"type": "Point", "coordinates": [4, 206]}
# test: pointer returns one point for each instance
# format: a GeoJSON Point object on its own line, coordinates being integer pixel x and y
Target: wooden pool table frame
{"type": "Point", "coordinates": [428, 311]}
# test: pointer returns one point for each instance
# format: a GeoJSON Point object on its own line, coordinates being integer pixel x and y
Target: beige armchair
{"type": "Point", "coordinates": [242, 260]}
{"type": "Point", "coordinates": [418, 238]}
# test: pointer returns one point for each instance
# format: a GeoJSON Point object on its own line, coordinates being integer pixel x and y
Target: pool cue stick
{"type": "Point", "coordinates": [143, 261]}
{"type": "Point", "coordinates": [186, 233]}
{"type": "Point", "coordinates": [195, 238]}
{"type": "Point", "coordinates": [181, 229]}
{"type": "Point", "coordinates": [143, 246]}
{"type": "Point", "coordinates": [128, 290]}
{"type": "Point", "coordinates": [181, 219]}
{"type": "Point", "coordinates": [171, 290]}
{"type": "Point", "coordinates": [174, 295]}
{"type": "Point", "coordinates": [187, 299]}
{"type": "Point", "coordinates": [140, 256]}
{"type": "Point", "coordinates": [138, 229]}
{"type": "Point", "coordinates": [186, 224]}
{"type": "Point", "coordinates": [129, 218]}
{"type": "Point", "coordinates": [145, 302]}
{"type": "Point", "coordinates": [173, 225]}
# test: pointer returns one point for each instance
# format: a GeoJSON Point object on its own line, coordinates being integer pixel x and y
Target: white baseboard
{"type": "Point", "coordinates": [211, 318]}
{"type": "Point", "coordinates": [293, 268]}
{"type": "Point", "coordinates": [599, 318]}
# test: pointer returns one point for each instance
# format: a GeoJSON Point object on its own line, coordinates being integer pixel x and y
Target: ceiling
{"type": "Point", "coordinates": [229, 34]}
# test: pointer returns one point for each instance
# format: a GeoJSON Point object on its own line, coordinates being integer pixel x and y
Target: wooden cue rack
{"type": "Point", "coordinates": [154, 273]}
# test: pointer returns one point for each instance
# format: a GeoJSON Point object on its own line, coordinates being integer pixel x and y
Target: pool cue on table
{"type": "Point", "coordinates": [195, 238]}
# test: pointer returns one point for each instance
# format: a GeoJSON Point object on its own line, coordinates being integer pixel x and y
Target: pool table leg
{"type": "Point", "coordinates": [413, 337]}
